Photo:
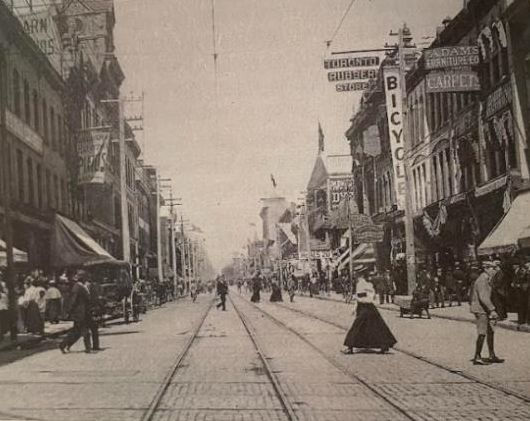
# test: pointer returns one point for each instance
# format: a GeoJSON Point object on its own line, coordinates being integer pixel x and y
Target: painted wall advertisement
{"type": "Point", "coordinates": [394, 106]}
{"type": "Point", "coordinates": [92, 148]}
{"type": "Point", "coordinates": [40, 25]}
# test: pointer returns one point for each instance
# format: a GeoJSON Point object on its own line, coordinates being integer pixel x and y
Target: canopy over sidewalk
{"type": "Point", "coordinates": [513, 230]}
{"type": "Point", "coordinates": [72, 246]}
{"type": "Point", "coordinates": [19, 256]}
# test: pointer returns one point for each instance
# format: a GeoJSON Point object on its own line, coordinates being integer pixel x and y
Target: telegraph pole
{"type": "Point", "coordinates": [6, 189]}
{"type": "Point", "coordinates": [125, 234]}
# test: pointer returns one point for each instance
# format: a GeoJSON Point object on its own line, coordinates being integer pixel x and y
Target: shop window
{"type": "Point", "coordinates": [56, 197]}
{"type": "Point", "coordinates": [48, 189]}
{"type": "Point", "coordinates": [450, 172]}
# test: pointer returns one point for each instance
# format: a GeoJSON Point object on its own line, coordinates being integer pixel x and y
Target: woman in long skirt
{"type": "Point", "coordinates": [276, 295]}
{"type": "Point", "coordinates": [256, 288]}
{"type": "Point", "coordinates": [369, 330]}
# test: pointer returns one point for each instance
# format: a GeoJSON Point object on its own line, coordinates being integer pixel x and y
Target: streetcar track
{"type": "Point", "coordinates": [333, 362]}
{"type": "Point", "coordinates": [271, 374]}
{"type": "Point", "coordinates": [418, 357]}
{"type": "Point", "coordinates": [155, 402]}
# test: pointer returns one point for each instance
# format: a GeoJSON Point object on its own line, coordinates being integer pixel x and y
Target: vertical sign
{"type": "Point", "coordinates": [92, 148]}
{"type": "Point", "coordinates": [394, 110]}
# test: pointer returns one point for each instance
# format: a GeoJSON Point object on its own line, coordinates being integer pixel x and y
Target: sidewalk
{"type": "Point", "coordinates": [458, 313]}
{"type": "Point", "coordinates": [28, 339]}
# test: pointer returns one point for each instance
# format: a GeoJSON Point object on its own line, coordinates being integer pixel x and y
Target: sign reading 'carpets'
{"type": "Point", "coordinates": [92, 148]}
{"type": "Point", "coordinates": [461, 80]}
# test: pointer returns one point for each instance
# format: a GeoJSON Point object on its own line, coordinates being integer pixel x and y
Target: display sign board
{"type": "Point", "coordinates": [394, 105]}
{"type": "Point", "coordinates": [498, 99]}
{"type": "Point", "coordinates": [458, 80]}
{"type": "Point", "coordinates": [369, 233]}
{"type": "Point", "coordinates": [338, 190]}
{"type": "Point", "coordinates": [352, 73]}
{"type": "Point", "coordinates": [456, 56]}
{"type": "Point", "coordinates": [92, 148]}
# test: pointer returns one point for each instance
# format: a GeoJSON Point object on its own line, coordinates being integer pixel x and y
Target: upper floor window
{"type": "Point", "coordinates": [53, 133]}
{"type": "Point", "coordinates": [45, 121]}
{"type": "Point", "coordinates": [16, 93]}
{"type": "Point", "coordinates": [36, 119]}
{"type": "Point", "coordinates": [27, 103]}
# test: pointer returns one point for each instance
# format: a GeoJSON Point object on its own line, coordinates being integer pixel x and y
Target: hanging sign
{"type": "Point", "coordinates": [92, 148]}
{"type": "Point", "coordinates": [394, 105]}
{"type": "Point", "coordinates": [457, 56]}
{"type": "Point", "coordinates": [460, 80]}
{"type": "Point", "coordinates": [371, 233]}
{"type": "Point", "coordinates": [352, 73]}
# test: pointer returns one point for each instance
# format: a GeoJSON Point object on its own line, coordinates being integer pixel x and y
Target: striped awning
{"type": "Point", "coordinates": [364, 254]}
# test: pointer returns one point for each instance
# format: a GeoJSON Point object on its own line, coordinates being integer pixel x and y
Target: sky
{"type": "Point", "coordinates": [220, 139]}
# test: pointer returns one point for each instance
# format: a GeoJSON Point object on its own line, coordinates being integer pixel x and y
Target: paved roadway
{"type": "Point", "coordinates": [289, 368]}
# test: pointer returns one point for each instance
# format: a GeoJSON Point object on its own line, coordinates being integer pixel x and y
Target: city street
{"type": "Point", "coordinates": [288, 368]}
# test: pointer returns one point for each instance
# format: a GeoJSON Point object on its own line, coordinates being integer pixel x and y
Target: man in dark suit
{"type": "Point", "coordinates": [222, 290]}
{"type": "Point", "coordinates": [79, 313]}
{"type": "Point", "coordinates": [95, 313]}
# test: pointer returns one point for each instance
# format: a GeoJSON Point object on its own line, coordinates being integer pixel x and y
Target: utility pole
{"type": "Point", "coordinates": [158, 230]}
{"type": "Point", "coordinates": [172, 204]}
{"type": "Point", "coordinates": [6, 189]}
{"type": "Point", "coordinates": [183, 252]}
{"type": "Point", "coordinates": [404, 43]}
{"type": "Point", "coordinates": [125, 234]}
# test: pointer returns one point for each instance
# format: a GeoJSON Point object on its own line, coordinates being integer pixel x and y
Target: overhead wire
{"type": "Point", "coordinates": [337, 29]}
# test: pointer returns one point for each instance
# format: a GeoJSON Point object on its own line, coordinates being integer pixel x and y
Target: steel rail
{"type": "Point", "coordinates": [155, 402]}
{"type": "Point", "coordinates": [337, 365]}
{"type": "Point", "coordinates": [412, 354]}
{"type": "Point", "coordinates": [281, 394]}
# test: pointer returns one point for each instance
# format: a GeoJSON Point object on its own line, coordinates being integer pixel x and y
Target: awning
{"type": "Point", "coordinates": [286, 229]}
{"type": "Point", "coordinates": [513, 230]}
{"type": "Point", "coordinates": [72, 246]}
{"type": "Point", "coordinates": [364, 254]}
{"type": "Point", "coordinates": [19, 256]}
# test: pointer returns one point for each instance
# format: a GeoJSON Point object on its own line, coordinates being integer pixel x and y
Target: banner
{"type": "Point", "coordinates": [394, 110]}
{"type": "Point", "coordinates": [92, 149]}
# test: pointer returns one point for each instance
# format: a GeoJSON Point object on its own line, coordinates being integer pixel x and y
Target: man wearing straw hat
{"type": "Point", "coordinates": [484, 310]}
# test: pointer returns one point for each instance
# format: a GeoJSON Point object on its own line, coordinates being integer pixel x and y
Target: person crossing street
{"type": "Point", "coordinates": [222, 290]}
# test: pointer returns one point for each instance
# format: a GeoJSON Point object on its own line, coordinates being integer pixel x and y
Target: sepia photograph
{"type": "Point", "coordinates": [265, 210]}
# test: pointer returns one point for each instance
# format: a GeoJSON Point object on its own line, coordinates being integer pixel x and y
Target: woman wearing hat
{"type": "Point", "coordinates": [369, 330]}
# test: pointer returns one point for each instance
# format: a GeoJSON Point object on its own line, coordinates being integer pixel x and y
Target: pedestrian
{"type": "Point", "coordinates": [276, 295]}
{"type": "Point", "coordinates": [79, 313]}
{"type": "Point", "coordinates": [484, 310]}
{"type": "Point", "coordinates": [291, 288]}
{"type": "Point", "coordinates": [499, 288]}
{"type": "Point", "coordinates": [222, 290]}
{"type": "Point", "coordinates": [193, 292]}
{"type": "Point", "coordinates": [369, 330]}
{"type": "Point", "coordinates": [459, 275]}
{"type": "Point", "coordinates": [33, 302]}
{"type": "Point", "coordinates": [256, 288]}
{"type": "Point", "coordinates": [439, 288]}
{"type": "Point", "coordinates": [53, 302]}
{"type": "Point", "coordinates": [95, 313]}
{"type": "Point", "coordinates": [521, 287]}
{"type": "Point", "coordinates": [4, 310]}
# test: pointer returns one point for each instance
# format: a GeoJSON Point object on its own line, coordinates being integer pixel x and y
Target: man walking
{"type": "Point", "coordinates": [94, 314]}
{"type": "Point", "coordinates": [222, 290]}
{"type": "Point", "coordinates": [79, 313]}
{"type": "Point", "coordinates": [483, 309]}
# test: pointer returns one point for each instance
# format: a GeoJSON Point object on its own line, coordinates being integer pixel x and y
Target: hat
{"type": "Point", "coordinates": [360, 268]}
{"type": "Point", "coordinates": [489, 264]}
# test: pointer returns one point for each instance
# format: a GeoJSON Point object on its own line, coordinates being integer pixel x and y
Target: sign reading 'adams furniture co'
{"type": "Point", "coordinates": [446, 57]}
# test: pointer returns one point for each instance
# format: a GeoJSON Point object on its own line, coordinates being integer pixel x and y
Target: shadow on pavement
{"type": "Point", "coordinates": [103, 333]}
{"type": "Point", "coordinates": [8, 357]}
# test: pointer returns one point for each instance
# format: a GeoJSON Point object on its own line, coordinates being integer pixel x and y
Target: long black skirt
{"type": "Point", "coordinates": [255, 296]}
{"type": "Point", "coordinates": [369, 330]}
{"type": "Point", "coordinates": [276, 295]}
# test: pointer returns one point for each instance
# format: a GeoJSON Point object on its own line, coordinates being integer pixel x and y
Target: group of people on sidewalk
{"type": "Point", "coordinates": [39, 299]}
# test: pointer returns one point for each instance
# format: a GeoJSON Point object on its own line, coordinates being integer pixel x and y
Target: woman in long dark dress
{"type": "Point", "coordinates": [369, 330]}
{"type": "Point", "coordinates": [256, 288]}
{"type": "Point", "coordinates": [276, 295]}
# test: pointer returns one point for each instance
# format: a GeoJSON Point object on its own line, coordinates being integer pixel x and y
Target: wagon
{"type": "Point", "coordinates": [411, 306]}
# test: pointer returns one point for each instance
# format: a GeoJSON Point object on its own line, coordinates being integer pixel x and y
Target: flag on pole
{"type": "Point", "coordinates": [320, 139]}
{"type": "Point", "coordinates": [273, 181]}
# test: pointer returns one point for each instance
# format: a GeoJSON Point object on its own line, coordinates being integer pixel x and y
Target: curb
{"type": "Point", "coordinates": [514, 327]}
